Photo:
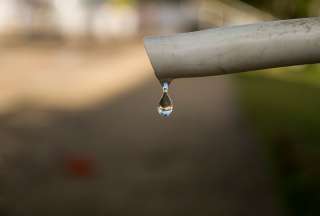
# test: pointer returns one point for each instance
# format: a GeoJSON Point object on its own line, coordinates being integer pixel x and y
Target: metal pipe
{"type": "Point", "coordinates": [235, 49]}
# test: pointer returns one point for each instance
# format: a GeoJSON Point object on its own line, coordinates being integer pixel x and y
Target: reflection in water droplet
{"type": "Point", "coordinates": [165, 105]}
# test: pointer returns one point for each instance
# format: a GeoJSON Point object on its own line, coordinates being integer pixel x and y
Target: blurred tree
{"type": "Point", "coordinates": [285, 8]}
{"type": "Point", "coordinates": [162, 1]}
{"type": "Point", "coordinates": [123, 2]}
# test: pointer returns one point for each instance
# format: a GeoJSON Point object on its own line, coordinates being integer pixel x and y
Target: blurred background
{"type": "Point", "coordinates": [80, 134]}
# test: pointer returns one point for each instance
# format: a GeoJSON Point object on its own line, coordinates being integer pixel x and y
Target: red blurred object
{"type": "Point", "coordinates": [79, 166]}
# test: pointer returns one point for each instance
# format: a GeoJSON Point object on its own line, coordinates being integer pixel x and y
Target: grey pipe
{"type": "Point", "coordinates": [235, 49]}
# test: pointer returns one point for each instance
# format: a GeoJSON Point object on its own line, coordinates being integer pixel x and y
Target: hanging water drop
{"type": "Point", "coordinates": [165, 107]}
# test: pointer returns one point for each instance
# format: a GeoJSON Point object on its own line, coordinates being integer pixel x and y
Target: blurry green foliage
{"type": "Point", "coordinates": [284, 110]}
{"type": "Point", "coordinates": [285, 8]}
{"type": "Point", "coordinates": [125, 2]}
{"type": "Point", "coordinates": [283, 106]}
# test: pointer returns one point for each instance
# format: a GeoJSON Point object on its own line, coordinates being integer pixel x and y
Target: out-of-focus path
{"type": "Point", "coordinates": [69, 78]}
{"type": "Point", "coordinates": [201, 161]}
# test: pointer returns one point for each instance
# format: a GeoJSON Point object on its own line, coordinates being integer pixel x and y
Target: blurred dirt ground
{"type": "Point", "coordinates": [69, 76]}
{"type": "Point", "coordinates": [80, 135]}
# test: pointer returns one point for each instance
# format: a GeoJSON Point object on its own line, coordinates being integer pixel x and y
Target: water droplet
{"type": "Point", "coordinates": [165, 107]}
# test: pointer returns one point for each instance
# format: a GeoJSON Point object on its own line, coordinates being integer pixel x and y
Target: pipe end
{"type": "Point", "coordinates": [150, 45]}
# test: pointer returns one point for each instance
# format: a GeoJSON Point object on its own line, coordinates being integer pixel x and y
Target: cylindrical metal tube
{"type": "Point", "coordinates": [235, 49]}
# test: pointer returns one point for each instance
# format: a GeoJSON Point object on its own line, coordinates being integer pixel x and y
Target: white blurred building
{"type": "Point", "coordinates": [95, 18]}
{"type": "Point", "coordinates": [70, 18]}
{"type": "Point", "coordinates": [8, 15]}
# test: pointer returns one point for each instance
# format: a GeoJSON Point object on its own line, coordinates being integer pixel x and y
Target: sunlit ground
{"type": "Point", "coordinates": [70, 77]}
